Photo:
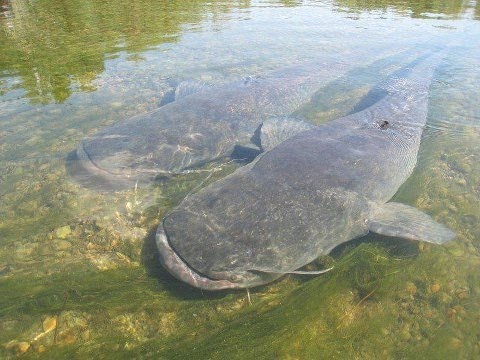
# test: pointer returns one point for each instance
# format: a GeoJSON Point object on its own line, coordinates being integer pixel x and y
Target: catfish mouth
{"type": "Point", "coordinates": [180, 269]}
{"type": "Point", "coordinates": [90, 175]}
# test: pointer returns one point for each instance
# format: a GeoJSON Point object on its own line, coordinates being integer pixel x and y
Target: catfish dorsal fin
{"type": "Point", "coordinates": [189, 87]}
{"type": "Point", "coordinates": [278, 129]}
{"type": "Point", "coordinates": [400, 220]}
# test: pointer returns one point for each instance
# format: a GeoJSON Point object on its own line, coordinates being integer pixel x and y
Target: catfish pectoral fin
{"type": "Point", "coordinates": [400, 220]}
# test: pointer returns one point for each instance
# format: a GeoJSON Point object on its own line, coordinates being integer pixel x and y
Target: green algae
{"type": "Point", "coordinates": [347, 312]}
{"type": "Point", "coordinates": [343, 316]}
{"type": "Point", "coordinates": [336, 315]}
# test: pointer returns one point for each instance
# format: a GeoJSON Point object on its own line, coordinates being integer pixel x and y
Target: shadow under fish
{"type": "Point", "coordinates": [306, 194]}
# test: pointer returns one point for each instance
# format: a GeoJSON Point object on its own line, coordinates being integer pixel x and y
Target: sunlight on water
{"type": "Point", "coordinates": [79, 271]}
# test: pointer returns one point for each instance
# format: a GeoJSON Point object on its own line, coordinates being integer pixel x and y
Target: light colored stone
{"type": "Point", "coordinates": [49, 324]}
{"type": "Point", "coordinates": [456, 343]}
{"type": "Point", "coordinates": [62, 245]}
{"type": "Point", "coordinates": [411, 288]}
{"type": "Point", "coordinates": [20, 347]}
{"type": "Point", "coordinates": [63, 232]}
{"type": "Point", "coordinates": [85, 335]}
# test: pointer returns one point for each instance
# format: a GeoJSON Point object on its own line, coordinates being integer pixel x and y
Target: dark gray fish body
{"type": "Point", "coordinates": [308, 194]}
{"type": "Point", "coordinates": [200, 125]}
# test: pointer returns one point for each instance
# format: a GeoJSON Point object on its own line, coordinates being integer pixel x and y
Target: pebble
{"type": "Point", "coordinates": [62, 245]}
{"type": "Point", "coordinates": [456, 343]}
{"type": "Point", "coordinates": [452, 208]}
{"type": "Point", "coordinates": [103, 261]}
{"type": "Point", "coordinates": [462, 294]}
{"type": "Point", "coordinates": [50, 323]}
{"type": "Point", "coordinates": [411, 288]}
{"type": "Point", "coordinates": [85, 335]}
{"type": "Point", "coordinates": [63, 232]}
{"type": "Point", "coordinates": [456, 251]}
{"type": "Point", "coordinates": [68, 338]}
{"type": "Point", "coordinates": [4, 268]}
{"type": "Point", "coordinates": [451, 313]}
{"type": "Point", "coordinates": [20, 347]}
{"type": "Point", "coordinates": [24, 250]}
{"type": "Point", "coordinates": [435, 288]}
{"type": "Point", "coordinates": [92, 246]}
{"type": "Point", "coordinates": [445, 298]}
{"type": "Point", "coordinates": [405, 333]}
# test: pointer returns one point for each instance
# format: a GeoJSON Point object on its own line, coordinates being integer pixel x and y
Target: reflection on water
{"type": "Point", "coordinates": [60, 47]}
{"type": "Point", "coordinates": [417, 9]}
{"type": "Point", "coordinates": [57, 46]}
{"type": "Point", "coordinates": [79, 274]}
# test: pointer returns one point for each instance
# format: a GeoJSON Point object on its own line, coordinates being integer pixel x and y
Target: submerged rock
{"type": "Point", "coordinates": [72, 327]}
{"type": "Point", "coordinates": [19, 347]}
{"type": "Point", "coordinates": [63, 232]}
{"type": "Point", "coordinates": [49, 324]}
{"type": "Point", "coordinates": [62, 245]}
{"type": "Point", "coordinates": [5, 268]}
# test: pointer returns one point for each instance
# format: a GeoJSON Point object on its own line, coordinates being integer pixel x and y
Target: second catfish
{"type": "Point", "coordinates": [307, 195]}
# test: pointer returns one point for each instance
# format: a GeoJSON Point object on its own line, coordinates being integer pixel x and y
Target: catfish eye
{"type": "Point", "coordinates": [384, 125]}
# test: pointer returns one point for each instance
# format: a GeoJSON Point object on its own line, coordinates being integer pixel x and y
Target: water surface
{"type": "Point", "coordinates": [79, 275]}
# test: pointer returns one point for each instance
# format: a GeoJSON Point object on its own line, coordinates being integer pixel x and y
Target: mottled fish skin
{"type": "Point", "coordinates": [304, 197]}
{"type": "Point", "coordinates": [200, 126]}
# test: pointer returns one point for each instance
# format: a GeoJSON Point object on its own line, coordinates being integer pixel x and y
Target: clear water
{"type": "Point", "coordinates": [78, 271]}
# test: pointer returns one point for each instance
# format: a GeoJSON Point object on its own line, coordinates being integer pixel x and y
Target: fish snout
{"type": "Point", "coordinates": [177, 267]}
{"type": "Point", "coordinates": [196, 248]}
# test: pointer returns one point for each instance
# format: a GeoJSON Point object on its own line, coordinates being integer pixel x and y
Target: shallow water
{"type": "Point", "coordinates": [79, 275]}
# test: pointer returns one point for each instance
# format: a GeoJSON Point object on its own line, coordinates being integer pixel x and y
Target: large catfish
{"type": "Point", "coordinates": [202, 124]}
{"type": "Point", "coordinates": [306, 195]}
